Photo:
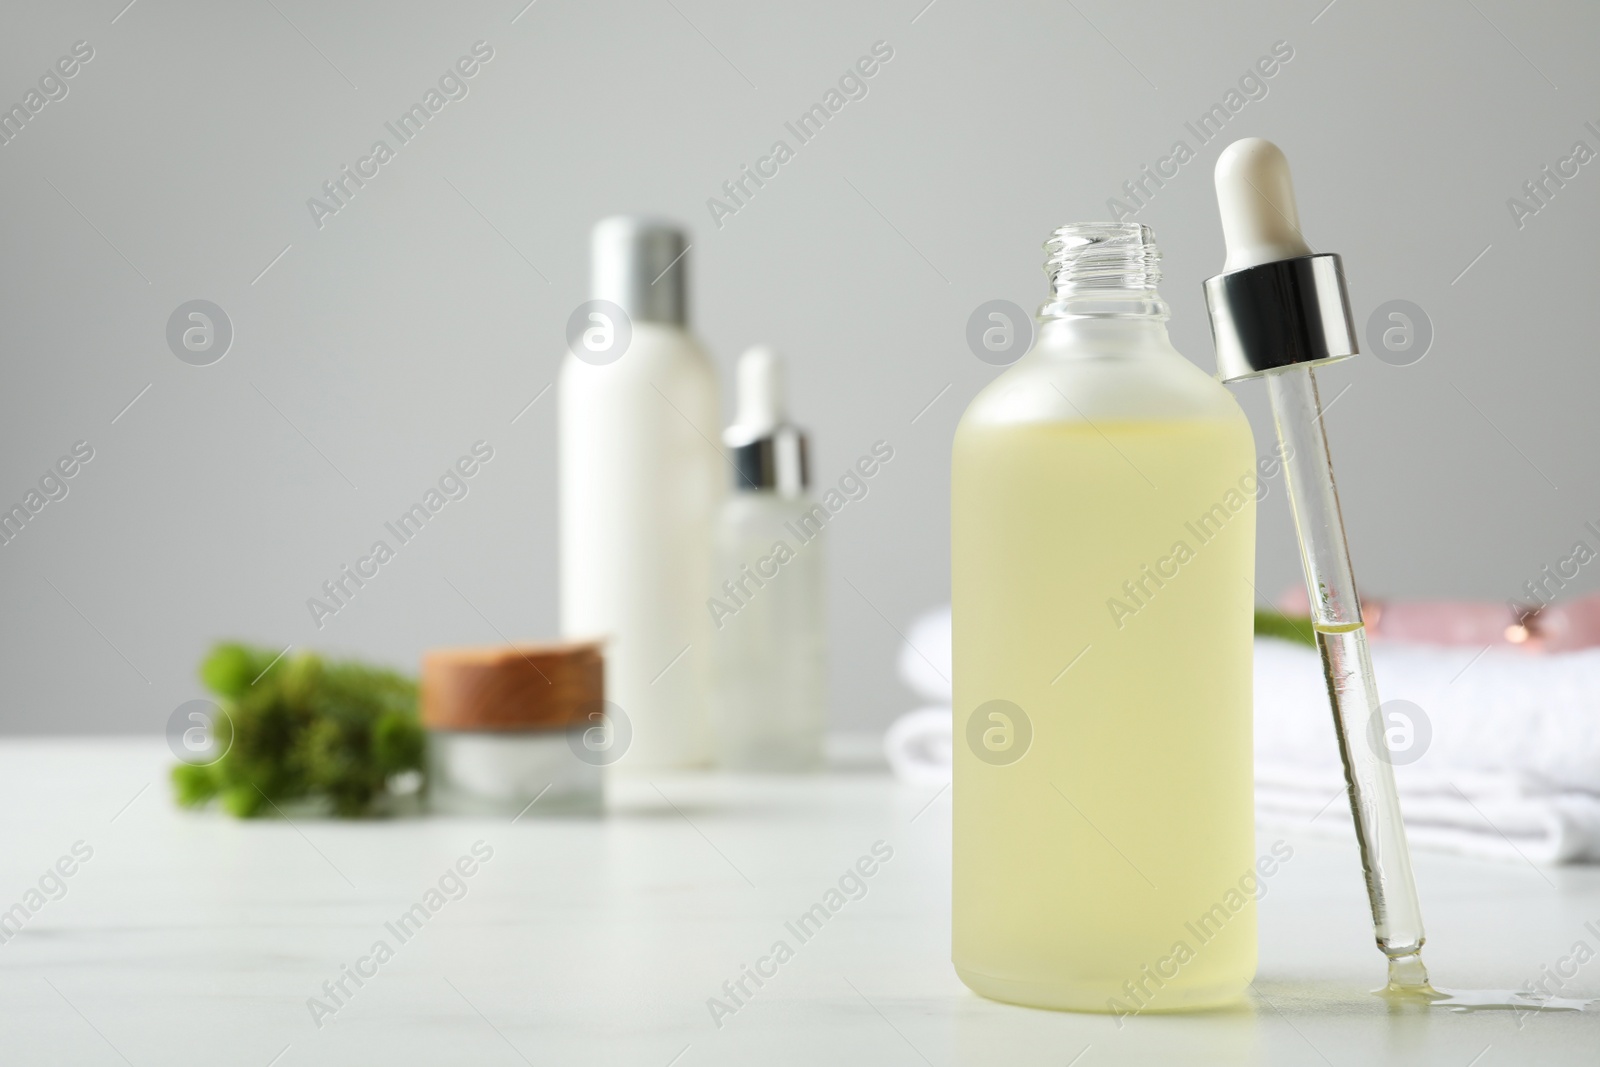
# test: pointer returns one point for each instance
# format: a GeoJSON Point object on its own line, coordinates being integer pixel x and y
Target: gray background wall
{"type": "Point", "coordinates": [430, 310]}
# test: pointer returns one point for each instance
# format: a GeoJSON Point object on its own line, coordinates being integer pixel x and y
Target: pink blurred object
{"type": "Point", "coordinates": [1533, 628]}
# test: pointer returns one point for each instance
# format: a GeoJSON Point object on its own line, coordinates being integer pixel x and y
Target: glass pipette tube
{"type": "Point", "coordinates": [1347, 669]}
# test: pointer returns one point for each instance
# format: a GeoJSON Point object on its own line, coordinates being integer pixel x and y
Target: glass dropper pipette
{"type": "Point", "coordinates": [1277, 311]}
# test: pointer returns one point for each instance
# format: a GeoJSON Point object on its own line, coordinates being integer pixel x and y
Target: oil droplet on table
{"type": "Point", "coordinates": [1408, 984]}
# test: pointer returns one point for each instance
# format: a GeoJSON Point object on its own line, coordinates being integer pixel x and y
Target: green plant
{"type": "Point", "coordinates": [1296, 628]}
{"type": "Point", "coordinates": [303, 728]}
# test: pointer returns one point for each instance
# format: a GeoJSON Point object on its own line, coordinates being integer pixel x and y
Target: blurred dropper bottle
{"type": "Point", "coordinates": [640, 482]}
{"type": "Point", "coordinates": [766, 606]}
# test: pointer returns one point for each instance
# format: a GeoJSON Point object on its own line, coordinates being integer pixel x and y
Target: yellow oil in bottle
{"type": "Point", "coordinates": [1103, 546]}
{"type": "Point", "coordinates": [1101, 586]}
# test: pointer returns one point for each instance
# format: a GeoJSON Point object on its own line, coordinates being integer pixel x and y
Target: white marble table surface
{"type": "Point", "coordinates": [196, 939]}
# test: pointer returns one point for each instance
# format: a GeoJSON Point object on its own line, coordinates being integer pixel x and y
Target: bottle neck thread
{"type": "Point", "coordinates": [1103, 270]}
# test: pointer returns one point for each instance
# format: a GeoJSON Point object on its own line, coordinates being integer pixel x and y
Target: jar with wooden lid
{"type": "Point", "coordinates": [519, 728]}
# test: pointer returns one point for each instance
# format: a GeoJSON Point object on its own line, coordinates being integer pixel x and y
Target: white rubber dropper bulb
{"type": "Point", "coordinates": [1255, 194]}
{"type": "Point", "coordinates": [760, 405]}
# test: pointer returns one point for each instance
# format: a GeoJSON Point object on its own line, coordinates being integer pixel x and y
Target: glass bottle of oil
{"type": "Point", "coordinates": [1103, 547]}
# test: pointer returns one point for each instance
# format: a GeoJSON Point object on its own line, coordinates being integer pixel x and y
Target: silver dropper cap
{"type": "Point", "coordinates": [640, 264]}
{"type": "Point", "coordinates": [1279, 314]}
{"type": "Point", "coordinates": [1277, 303]}
{"type": "Point", "coordinates": [768, 452]}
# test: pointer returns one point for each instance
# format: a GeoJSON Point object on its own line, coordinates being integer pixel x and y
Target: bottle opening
{"type": "Point", "coordinates": [1103, 269]}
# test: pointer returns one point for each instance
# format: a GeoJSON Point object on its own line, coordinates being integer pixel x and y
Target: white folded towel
{"type": "Point", "coordinates": [917, 746]}
{"type": "Point", "coordinates": [925, 656]}
{"type": "Point", "coordinates": [1511, 769]}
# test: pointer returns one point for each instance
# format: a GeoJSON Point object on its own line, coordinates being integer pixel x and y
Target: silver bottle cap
{"type": "Point", "coordinates": [776, 461]}
{"type": "Point", "coordinates": [640, 264]}
{"type": "Point", "coordinates": [1279, 314]}
{"type": "Point", "coordinates": [768, 451]}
